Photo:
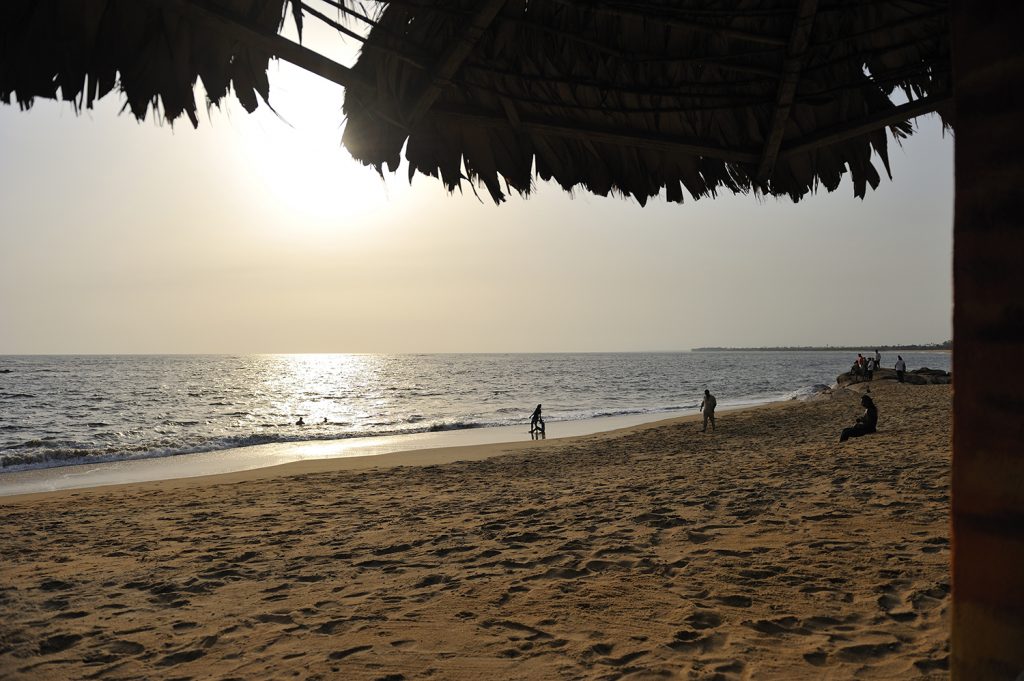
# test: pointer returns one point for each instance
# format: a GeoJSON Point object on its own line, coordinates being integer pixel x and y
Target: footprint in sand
{"type": "Point", "coordinates": [623, 660]}
{"type": "Point", "coordinates": [734, 667]}
{"type": "Point", "coordinates": [704, 619]}
{"type": "Point", "coordinates": [181, 657]}
{"type": "Point", "coordinates": [58, 643]}
{"type": "Point", "coordinates": [691, 641]}
{"type": "Point", "coordinates": [735, 601]}
{"type": "Point", "coordinates": [867, 651]}
{"type": "Point", "coordinates": [533, 634]}
{"type": "Point", "coordinates": [275, 618]}
{"type": "Point", "coordinates": [778, 627]}
{"type": "Point", "coordinates": [342, 654]}
{"type": "Point", "coordinates": [897, 602]}
{"type": "Point", "coordinates": [817, 658]}
{"type": "Point", "coordinates": [55, 585]}
{"type": "Point", "coordinates": [927, 665]}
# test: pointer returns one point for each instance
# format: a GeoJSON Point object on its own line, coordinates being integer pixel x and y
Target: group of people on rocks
{"type": "Point", "coordinates": [866, 366]}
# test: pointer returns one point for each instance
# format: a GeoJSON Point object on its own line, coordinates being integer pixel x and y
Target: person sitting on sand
{"type": "Point", "coordinates": [536, 422]}
{"type": "Point", "coordinates": [707, 407]}
{"type": "Point", "coordinates": [866, 423]}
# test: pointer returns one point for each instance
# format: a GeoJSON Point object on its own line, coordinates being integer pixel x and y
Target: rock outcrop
{"type": "Point", "coordinates": [922, 376]}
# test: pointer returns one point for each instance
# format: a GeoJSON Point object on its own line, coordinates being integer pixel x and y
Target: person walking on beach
{"type": "Point", "coordinates": [707, 407]}
{"type": "Point", "coordinates": [536, 422]}
{"type": "Point", "coordinates": [866, 423]}
{"type": "Point", "coordinates": [901, 368]}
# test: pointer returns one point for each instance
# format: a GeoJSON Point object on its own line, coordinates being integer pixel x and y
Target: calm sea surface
{"type": "Point", "coordinates": [66, 410]}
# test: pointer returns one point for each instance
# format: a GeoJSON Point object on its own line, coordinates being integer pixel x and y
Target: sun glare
{"type": "Point", "coordinates": [309, 177]}
{"type": "Point", "coordinates": [296, 152]}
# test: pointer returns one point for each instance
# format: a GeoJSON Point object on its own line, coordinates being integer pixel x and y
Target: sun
{"type": "Point", "coordinates": [295, 158]}
{"type": "Point", "coordinates": [308, 174]}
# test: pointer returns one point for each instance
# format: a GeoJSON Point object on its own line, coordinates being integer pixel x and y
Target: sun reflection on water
{"type": "Point", "coordinates": [334, 387]}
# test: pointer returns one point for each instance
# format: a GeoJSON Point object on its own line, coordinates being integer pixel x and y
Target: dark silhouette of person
{"type": "Point", "coordinates": [866, 423]}
{"type": "Point", "coordinates": [707, 407]}
{"type": "Point", "coordinates": [901, 368]}
{"type": "Point", "coordinates": [300, 422]}
{"type": "Point", "coordinates": [536, 422]}
{"type": "Point", "coordinates": [325, 421]}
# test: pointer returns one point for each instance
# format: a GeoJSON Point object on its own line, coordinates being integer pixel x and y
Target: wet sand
{"type": "Point", "coordinates": [765, 550]}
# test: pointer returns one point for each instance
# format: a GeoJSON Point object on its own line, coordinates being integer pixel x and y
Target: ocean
{"type": "Point", "coordinates": [70, 410]}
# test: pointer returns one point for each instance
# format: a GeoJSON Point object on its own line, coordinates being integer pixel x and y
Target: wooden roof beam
{"type": "Point", "coordinates": [669, 144]}
{"type": "Point", "coordinates": [901, 113]}
{"type": "Point", "coordinates": [251, 35]}
{"type": "Point", "coordinates": [799, 41]}
{"type": "Point", "coordinates": [582, 133]}
{"type": "Point", "coordinates": [669, 20]}
{"type": "Point", "coordinates": [450, 61]}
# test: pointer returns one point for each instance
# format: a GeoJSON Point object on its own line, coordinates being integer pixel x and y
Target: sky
{"type": "Point", "coordinates": [258, 233]}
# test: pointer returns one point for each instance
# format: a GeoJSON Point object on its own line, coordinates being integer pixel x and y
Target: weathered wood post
{"type": "Point", "coordinates": [988, 349]}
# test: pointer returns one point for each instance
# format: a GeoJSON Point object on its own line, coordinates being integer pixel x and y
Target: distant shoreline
{"type": "Point", "coordinates": [942, 347]}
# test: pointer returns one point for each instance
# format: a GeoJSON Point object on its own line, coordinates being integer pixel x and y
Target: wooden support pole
{"type": "Point", "coordinates": [987, 639]}
{"type": "Point", "coordinates": [799, 40]}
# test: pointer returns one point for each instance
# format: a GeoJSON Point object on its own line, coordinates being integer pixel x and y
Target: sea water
{"type": "Point", "coordinates": [70, 410]}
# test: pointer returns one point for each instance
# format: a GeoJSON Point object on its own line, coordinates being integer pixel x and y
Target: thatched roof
{"type": "Point", "coordinates": [79, 50]}
{"type": "Point", "coordinates": [685, 96]}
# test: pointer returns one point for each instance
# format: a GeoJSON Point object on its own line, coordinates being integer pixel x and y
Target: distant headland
{"type": "Point", "coordinates": [947, 345]}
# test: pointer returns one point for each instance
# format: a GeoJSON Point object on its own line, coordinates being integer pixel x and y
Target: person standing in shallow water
{"type": "Point", "coordinates": [707, 407]}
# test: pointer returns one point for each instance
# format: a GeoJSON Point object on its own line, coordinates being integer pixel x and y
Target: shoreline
{"type": "Point", "coordinates": [763, 550]}
{"type": "Point", "coordinates": [318, 456]}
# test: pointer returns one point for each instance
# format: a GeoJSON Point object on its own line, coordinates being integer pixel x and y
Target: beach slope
{"type": "Point", "coordinates": [763, 550]}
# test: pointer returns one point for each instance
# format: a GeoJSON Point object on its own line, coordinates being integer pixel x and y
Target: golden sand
{"type": "Point", "coordinates": [765, 550]}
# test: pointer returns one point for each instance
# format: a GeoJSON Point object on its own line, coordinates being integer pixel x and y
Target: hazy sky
{"type": "Point", "coordinates": [259, 234]}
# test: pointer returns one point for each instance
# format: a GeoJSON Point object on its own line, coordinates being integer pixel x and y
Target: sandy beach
{"type": "Point", "coordinates": [764, 550]}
